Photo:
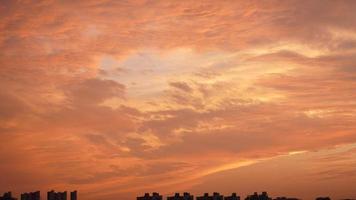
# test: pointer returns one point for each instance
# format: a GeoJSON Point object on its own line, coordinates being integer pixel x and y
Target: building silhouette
{"type": "Point", "coordinates": [186, 196]}
{"type": "Point", "coordinates": [7, 196]}
{"type": "Point", "coordinates": [52, 195]}
{"type": "Point", "coordinates": [285, 198]}
{"type": "Point", "coordinates": [31, 196]}
{"type": "Point", "coordinates": [232, 197]}
{"type": "Point", "coordinates": [322, 198]}
{"type": "Point", "coordinates": [155, 196]}
{"type": "Point", "coordinates": [256, 196]}
{"type": "Point", "coordinates": [205, 197]}
{"type": "Point", "coordinates": [73, 195]}
{"type": "Point", "coordinates": [215, 196]}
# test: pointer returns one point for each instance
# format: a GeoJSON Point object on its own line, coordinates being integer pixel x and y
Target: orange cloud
{"type": "Point", "coordinates": [106, 96]}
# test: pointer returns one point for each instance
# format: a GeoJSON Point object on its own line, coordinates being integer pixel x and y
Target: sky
{"type": "Point", "coordinates": [118, 98]}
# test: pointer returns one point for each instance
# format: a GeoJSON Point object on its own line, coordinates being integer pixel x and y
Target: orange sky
{"type": "Point", "coordinates": [118, 98]}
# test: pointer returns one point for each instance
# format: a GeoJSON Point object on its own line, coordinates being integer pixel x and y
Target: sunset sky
{"type": "Point", "coordinates": [117, 98]}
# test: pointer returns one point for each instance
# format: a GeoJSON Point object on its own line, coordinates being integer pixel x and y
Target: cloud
{"type": "Point", "coordinates": [201, 86]}
{"type": "Point", "coordinates": [95, 91]}
{"type": "Point", "coordinates": [181, 86]}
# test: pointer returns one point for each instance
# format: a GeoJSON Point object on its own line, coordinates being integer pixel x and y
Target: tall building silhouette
{"type": "Point", "coordinates": [256, 196]}
{"type": "Point", "coordinates": [215, 196]}
{"type": "Point", "coordinates": [7, 196]}
{"type": "Point", "coordinates": [285, 198]}
{"type": "Point", "coordinates": [52, 195]}
{"type": "Point", "coordinates": [232, 197]}
{"type": "Point", "coordinates": [155, 196]}
{"type": "Point", "coordinates": [31, 196]}
{"type": "Point", "coordinates": [205, 197]}
{"type": "Point", "coordinates": [322, 198]}
{"type": "Point", "coordinates": [73, 195]}
{"type": "Point", "coordinates": [186, 196]}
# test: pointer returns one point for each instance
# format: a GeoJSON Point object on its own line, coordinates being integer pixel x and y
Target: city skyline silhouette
{"type": "Point", "coordinates": [53, 195]}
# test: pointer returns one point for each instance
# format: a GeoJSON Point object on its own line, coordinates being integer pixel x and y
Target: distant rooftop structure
{"type": "Point", "coordinates": [31, 196]}
{"type": "Point", "coordinates": [285, 198]}
{"type": "Point", "coordinates": [177, 196]}
{"type": "Point", "coordinates": [73, 195]}
{"type": "Point", "coordinates": [232, 197]}
{"type": "Point", "coordinates": [52, 195]}
{"type": "Point", "coordinates": [215, 196]}
{"type": "Point", "coordinates": [322, 198]}
{"type": "Point", "coordinates": [147, 196]}
{"type": "Point", "coordinates": [256, 196]}
{"type": "Point", "coordinates": [7, 196]}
